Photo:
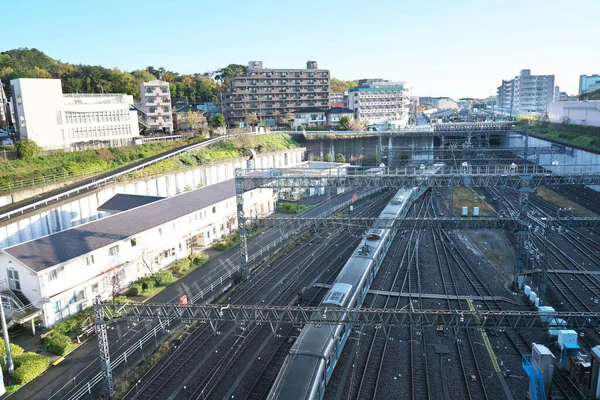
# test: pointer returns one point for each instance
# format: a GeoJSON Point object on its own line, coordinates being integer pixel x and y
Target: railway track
{"type": "Point", "coordinates": [273, 286]}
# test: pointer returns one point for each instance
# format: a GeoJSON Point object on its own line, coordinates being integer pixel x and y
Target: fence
{"type": "Point", "coordinates": [101, 181]}
{"type": "Point", "coordinates": [88, 386]}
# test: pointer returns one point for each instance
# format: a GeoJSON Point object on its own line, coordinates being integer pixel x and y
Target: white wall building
{"type": "Point", "coordinates": [380, 102]}
{"type": "Point", "coordinates": [447, 104]}
{"type": "Point", "coordinates": [71, 121]}
{"type": "Point", "coordinates": [309, 116]}
{"type": "Point", "coordinates": [526, 94]}
{"type": "Point", "coordinates": [575, 112]}
{"type": "Point", "coordinates": [588, 83]}
{"type": "Point", "coordinates": [156, 101]}
{"type": "Point", "coordinates": [64, 271]}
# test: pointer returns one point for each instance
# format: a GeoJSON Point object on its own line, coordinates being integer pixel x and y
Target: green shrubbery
{"type": "Point", "coordinates": [32, 165]}
{"type": "Point", "coordinates": [28, 366]}
{"type": "Point", "coordinates": [58, 343]}
{"type": "Point", "coordinates": [164, 278]}
{"type": "Point", "coordinates": [60, 339]}
{"type": "Point", "coordinates": [292, 208]}
{"type": "Point", "coordinates": [181, 266]}
{"type": "Point", "coordinates": [135, 290]}
{"type": "Point", "coordinates": [14, 349]}
{"type": "Point", "coordinates": [227, 243]}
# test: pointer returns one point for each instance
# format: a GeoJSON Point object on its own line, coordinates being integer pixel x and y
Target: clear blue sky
{"type": "Point", "coordinates": [440, 47]}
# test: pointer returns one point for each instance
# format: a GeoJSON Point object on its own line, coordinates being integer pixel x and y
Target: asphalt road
{"type": "Point", "coordinates": [54, 193]}
{"type": "Point", "coordinates": [59, 380]}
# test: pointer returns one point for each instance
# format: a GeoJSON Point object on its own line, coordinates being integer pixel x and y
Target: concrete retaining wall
{"type": "Point", "coordinates": [76, 211]}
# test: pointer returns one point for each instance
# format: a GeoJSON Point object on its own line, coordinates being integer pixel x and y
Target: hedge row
{"type": "Point", "coordinates": [58, 343]}
{"type": "Point", "coordinates": [28, 366]}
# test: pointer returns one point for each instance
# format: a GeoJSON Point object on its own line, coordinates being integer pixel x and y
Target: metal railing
{"type": "Point", "coordinates": [101, 181]}
{"type": "Point", "coordinates": [86, 389]}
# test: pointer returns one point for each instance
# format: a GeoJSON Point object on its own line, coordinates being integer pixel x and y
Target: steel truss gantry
{"type": "Point", "coordinates": [511, 176]}
{"type": "Point", "coordinates": [215, 314]}
{"type": "Point", "coordinates": [407, 223]}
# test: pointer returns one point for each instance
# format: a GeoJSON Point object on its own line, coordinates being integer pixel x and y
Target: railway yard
{"type": "Point", "coordinates": [423, 269]}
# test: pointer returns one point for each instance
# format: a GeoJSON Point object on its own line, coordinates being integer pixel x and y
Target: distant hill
{"type": "Point", "coordinates": [340, 86]}
{"type": "Point", "coordinates": [33, 63]}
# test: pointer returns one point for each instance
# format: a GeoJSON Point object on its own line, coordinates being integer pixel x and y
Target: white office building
{"type": "Point", "coordinates": [63, 272]}
{"type": "Point", "coordinates": [71, 121]}
{"type": "Point", "coordinates": [589, 83]}
{"type": "Point", "coordinates": [380, 102]}
{"type": "Point", "coordinates": [525, 94]}
{"type": "Point", "coordinates": [156, 103]}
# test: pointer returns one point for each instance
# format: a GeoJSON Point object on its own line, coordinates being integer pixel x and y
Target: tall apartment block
{"type": "Point", "coordinates": [268, 91]}
{"type": "Point", "coordinates": [589, 83]}
{"type": "Point", "coordinates": [156, 103]}
{"type": "Point", "coordinates": [525, 94]}
{"type": "Point", "coordinates": [380, 102]}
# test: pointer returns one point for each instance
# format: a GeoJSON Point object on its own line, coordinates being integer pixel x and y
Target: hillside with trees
{"type": "Point", "coordinates": [340, 86]}
{"type": "Point", "coordinates": [32, 63]}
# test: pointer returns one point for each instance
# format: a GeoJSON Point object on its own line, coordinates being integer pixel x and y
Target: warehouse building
{"type": "Point", "coordinates": [62, 273]}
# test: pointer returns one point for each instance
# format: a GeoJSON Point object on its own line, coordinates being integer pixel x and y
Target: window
{"type": "Point", "coordinates": [89, 260]}
{"type": "Point", "coordinates": [214, 210]}
{"type": "Point", "coordinates": [95, 288]}
{"type": "Point", "coordinates": [52, 275]}
{"type": "Point", "coordinates": [113, 251]}
{"type": "Point", "coordinates": [57, 307]}
{"type": "Point", "coordinates": [133, 242]}
{"type": "Point", "coordinates": [160, 231]}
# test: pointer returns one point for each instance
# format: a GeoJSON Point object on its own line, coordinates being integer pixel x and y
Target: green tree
{"type": "Point", "coordinates": [218, 121]}
{"type": "Point", "coordinates": [252, 119]}
{"type": "Point", "coordinates": [328, 157]}
{"type": "Point", "coordinates": [287, 119]}
{"type": "Point", "coordinates": [339, 157]}
{"type": "Point", "coordinates": [345, 123]}
{"type": "Point", "coordinates": [27, 149]}
{"type": "Point", "coordinates": [232, 70]}
{"type": "Point", "coordinates": [192, 120]}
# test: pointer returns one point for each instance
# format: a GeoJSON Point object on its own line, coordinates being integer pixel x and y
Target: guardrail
{"type": "Point", "coordinates": [101, 181]}
{"type": "Point", "coordinates": [86, 390]}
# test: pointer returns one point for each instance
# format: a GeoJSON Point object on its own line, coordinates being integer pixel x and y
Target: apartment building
{"type": "Point", "coordinates": [526, 94]}
{"type": "Point", "coordinates": [156, 104]}
{"type": "Point", "coordinates": [380, 102]}
{"type": "Point", "coordinates": [62, 273]}
{"type": "Point", "coordinates": [71, 121]}
{"type": "Point", "coordinates": [266, 92]}
{"type": "Point", "coordinates": [588, 83]}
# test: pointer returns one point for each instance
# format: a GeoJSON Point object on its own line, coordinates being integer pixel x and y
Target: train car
{"type": "Point", "coordinates": [312, 359]}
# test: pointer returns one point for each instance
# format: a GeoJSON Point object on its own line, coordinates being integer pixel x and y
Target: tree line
{"type": "Point", "coordinates": [197, 88]}
{"type": "Point", "coordinates": [33, 63]}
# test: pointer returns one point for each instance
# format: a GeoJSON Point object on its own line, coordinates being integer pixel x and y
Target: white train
{"type": "Point", "coordinates": [310, 363]}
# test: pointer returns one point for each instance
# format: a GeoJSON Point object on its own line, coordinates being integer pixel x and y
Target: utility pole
{"type": "Point", "coordinates": [9, 361]}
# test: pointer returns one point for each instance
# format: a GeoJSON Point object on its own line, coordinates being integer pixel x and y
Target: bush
{"type": "Point", "coordinates": [181, 266]}
{"type": "Point", "coordinates": [148, 283]}
{"type": "Point", "coordinates": [135, 290]}
{"type": "Point", "coordinates": [59, 344]}
{"type": "Point", "coordinates": [199, 259]}
{"type": "Point", "coordinates": [72, 325]}
{"type": "Point", "coordinates": [14, 349]}
{"type": "Point", "coordinates": [28, 366]}
{"type": "Point", "coordinates": [164, 278]}
{"type": "Point", "coordinates": [27, 149]}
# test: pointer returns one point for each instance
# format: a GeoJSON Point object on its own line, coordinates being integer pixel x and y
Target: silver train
{"type": "Point", "coordinates": [311, 360]}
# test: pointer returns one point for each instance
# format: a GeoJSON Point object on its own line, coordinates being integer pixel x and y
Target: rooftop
{"type": "Point", "coordinates": [123, 202]}
{"type": "Point", "coordinates": [51, 250]}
